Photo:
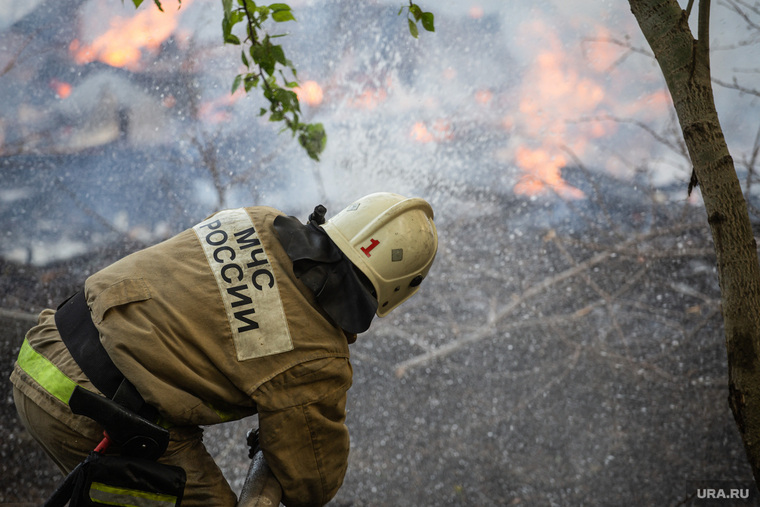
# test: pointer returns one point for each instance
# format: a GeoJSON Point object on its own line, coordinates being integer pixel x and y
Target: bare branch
{"type": "Point", "coordinates": [18, 315]}
{"type": "Point", "coordinates": [674, 143]}
{"type": "Point", "coordinates": [736, 86]}
{"type": "Point", "coordinates": [490, 327]}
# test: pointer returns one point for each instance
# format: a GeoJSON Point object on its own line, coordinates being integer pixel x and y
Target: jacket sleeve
{"type": "Point", "coordinates": [302, 429]}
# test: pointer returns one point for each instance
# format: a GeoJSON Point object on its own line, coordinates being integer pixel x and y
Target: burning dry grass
{"type": "Point", "coordinates": [124, 40]}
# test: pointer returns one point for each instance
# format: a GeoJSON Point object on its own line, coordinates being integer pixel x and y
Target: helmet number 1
{"type": "Point", "coordinates": [372, 244]}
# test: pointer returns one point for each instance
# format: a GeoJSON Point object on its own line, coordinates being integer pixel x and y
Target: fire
{"type": "Point", "coordinates": [562, 106]}
{"type": "Point", "coordinates": [124, 41]}
{"type": "Point", "coordinates": [558, 87]}
{"type": "Point", "coordinates": [542, 173]}
{"type": "Point", "coordinates": [483, 96]}
{"type": "Point", "coordinates": [420, 133]}
{"type": "Point", "coordinates": [310, 93]}
{"type": "Point", "coordinates": [61, 88]}
{"type": "Point", "coordinates": [449, 73]}
{"type": "Point", "coordinates": [599, 53]}
{"type": "Point", "coordinates": [369, 99]}
{"type": "Point", "coordinates": [218, 110]}
{"type": "Point", "coordinates": [475, 12]}
{"type": "Point", "coordinates": [439, 131]}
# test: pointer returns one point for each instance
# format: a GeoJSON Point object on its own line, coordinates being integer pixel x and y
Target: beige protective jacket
{"type": "Point", "coordinates": [212, 325]}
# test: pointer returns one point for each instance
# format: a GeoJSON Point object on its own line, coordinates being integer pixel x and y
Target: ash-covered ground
{"type": "Point", "coordinates": [579, 364]}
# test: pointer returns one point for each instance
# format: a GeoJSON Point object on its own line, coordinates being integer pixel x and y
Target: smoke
{"type": "Point", "coordinates": [567, 331]}
{"type": "Point", "coordinates": [509, 98]}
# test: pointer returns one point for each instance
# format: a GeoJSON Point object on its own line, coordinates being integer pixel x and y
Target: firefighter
{"type": "Point", "coordinates": [248, 312]}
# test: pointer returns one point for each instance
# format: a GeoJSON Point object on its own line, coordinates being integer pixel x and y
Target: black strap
{"type": "Point", "coordinates": [130, 477]}
{"type": "Point", "coordinates": [82, 338]}
{"type": "Point", "coordinates": [135, 435]}
{"type": "Point", "coordinates": [65, 491]}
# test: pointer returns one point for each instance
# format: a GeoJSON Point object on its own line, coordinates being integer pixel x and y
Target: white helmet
{"type": "Point", "coordinates": [389, 238]}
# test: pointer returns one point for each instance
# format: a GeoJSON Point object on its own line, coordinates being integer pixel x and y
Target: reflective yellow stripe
{"type": "Point", "coordinates": [224, 416]}
{"type": "Point", "coordinates": [51, 378]}
{"type": "Point", "coordinates": [45, 373]}
{"type": "Point", "coordinates": [110, 495]}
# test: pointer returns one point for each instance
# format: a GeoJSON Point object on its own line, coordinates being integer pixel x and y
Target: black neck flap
{"type": "Point", "coordinates": [323, 268]}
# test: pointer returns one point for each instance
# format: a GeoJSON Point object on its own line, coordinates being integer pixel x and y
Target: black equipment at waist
{"type": "Point", "coordinates": [81, 337]}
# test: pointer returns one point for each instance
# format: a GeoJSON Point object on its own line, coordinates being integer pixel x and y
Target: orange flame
{"type": "Point", "coordinates": [420, 133]}
{"type": "Point", "coordinates": [127, 38]}
{"type": "Point", "coordinates": [563, 107]}
{"type": "Point", "coordinates": [475, 12]}
{"type": "Point", "coordinates": [483, 96]}
{"type": "Point", "coordinates": [310, 93]}
{"type": "Point", "coordinates": [61, 88]}
{"type": "Point", "coordinates": [218, 110]}
{"type": "Point", "coordinates": [542, 173]}
{"type": "Point", "coordinates": [439, 131]}
{"type": "Point", "coordinates": [369, 99]}
{"type": "Point", "coordinates": [555, 90]}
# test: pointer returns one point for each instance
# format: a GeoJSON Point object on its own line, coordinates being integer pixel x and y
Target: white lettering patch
{"type": "Point", "coordinates": [246, 282]}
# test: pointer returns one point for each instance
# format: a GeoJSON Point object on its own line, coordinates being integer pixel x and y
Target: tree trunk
{"type": "Point", "coordinates": [685, 64]}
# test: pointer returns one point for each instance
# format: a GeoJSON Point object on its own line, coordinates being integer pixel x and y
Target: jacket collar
{"type": "Point", "coordinates": [325, 270]}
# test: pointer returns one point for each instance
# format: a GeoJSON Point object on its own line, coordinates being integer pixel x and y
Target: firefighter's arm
{"type": "Point", "coordinates": [302, 432]}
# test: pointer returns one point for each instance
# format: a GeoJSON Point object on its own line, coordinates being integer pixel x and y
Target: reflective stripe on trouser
{"type": "Point", "coordinates": [45, 373]}
{"type": "Point", "coordinates": [58, 384]}
{"type": "Point", "coordinates": [110, 495]}
{"type": "Point", "coordinates": [68, 438]}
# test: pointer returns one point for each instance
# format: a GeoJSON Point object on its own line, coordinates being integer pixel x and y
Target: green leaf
{"type": "Point", "coordinates": [263, 58]}
{"type": "Point", "coordinates": [313, 139]}
{"type": "Point", "coordinates": [278, 55]}
{"type": "Point", "coordinates": [158, 4]}
{"type": "Point", "coordinates": [228, 22]}
{"type": "Point", "coordinates": [428, 21]}
{"type": "Point", "coordinates": [262, 12]}
{"type": "Point", "coordinates": [244, 58]}
{"type": "Point", "coordinates": [250, 7]}
{"type": "Point", "coordinates": [416, 11]}
{"type": "Point", "coordinates": [250, 81]}
{"type": "Point", "coordinates": [236, 83]}
{"type": "Point", "coordinates": [281, 13]}
{"type": "Point", "coordinates": [413, 29]}
{"type": "Point", "coordinates": [287, 98]}
{"type": "Point", "coordinates": [137, 3]}
{"type": "Point", "coordinates": [282, 16]}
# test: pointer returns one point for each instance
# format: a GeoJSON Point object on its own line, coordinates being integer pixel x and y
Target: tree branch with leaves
{"type": "Point", "coordinates": [267, 67]}
{"type": "Point", "coordinates": [415, 15]}
{"type": "Point", "coordinates": [270, 70]}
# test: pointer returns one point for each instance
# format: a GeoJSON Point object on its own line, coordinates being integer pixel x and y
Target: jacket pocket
{"type": "Point", "coordinates": [130, 290]}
